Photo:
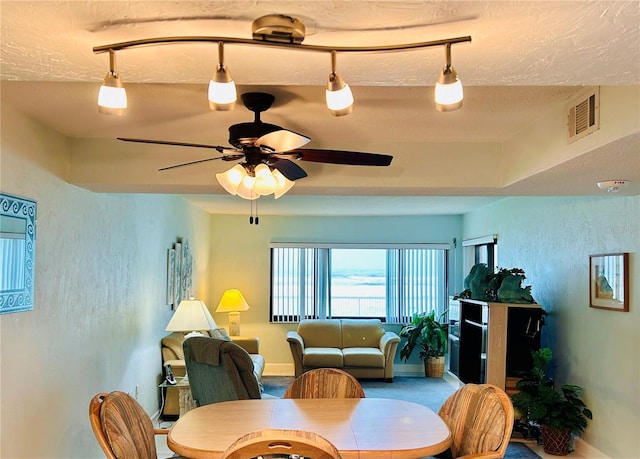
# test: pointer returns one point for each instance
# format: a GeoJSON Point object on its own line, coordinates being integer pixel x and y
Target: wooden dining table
{"type": "Point", "coordinates": [363, 428]}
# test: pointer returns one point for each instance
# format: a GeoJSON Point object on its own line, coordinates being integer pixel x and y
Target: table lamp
{"type": "Point", "coordinates": [191, 316]}
{"type": "Point", "coordinates": [233, 302]}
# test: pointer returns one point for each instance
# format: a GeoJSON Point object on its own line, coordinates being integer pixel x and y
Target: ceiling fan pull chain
{"type": "Point", "coordinates": [257, 218]}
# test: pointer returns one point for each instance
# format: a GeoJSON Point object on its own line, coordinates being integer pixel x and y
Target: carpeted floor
{"type": "Point", "coordinates": [426, 391]}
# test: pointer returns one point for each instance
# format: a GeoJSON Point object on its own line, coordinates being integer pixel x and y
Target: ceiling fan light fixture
{"type": "Point", "coordinates": [222, 89]}
{"type": "Point", "coordinates": [265, 183]}
{"type": "Point", "coordinates": [231, 179]}
{"type": "Point", "coordinates": [338, 94]}
{"type": "Point", "coordinates": [284, 184]}
{"type": "Point", "coordinates": [448, 91]}
{"type": "Point", "coordinates": [245, 189]}
{"type": "Point", "coordinates": [112, 97]}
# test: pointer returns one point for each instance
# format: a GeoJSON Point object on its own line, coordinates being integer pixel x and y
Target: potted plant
{"type": "Point", "coordinates": [431, 337]}
{"type": "Point", "coordinates": [559, 413]}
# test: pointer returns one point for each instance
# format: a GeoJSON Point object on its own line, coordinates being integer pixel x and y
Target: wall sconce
{"type": "Point", "coordinates": [233, 302]}
{"type": "Point", "coordinates": [277, 30]}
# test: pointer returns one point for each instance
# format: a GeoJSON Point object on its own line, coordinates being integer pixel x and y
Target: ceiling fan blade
{"type": "Point", "coordinates": [353, 158]}
{"type": "Point", "coordinates": [289, 169]}
{"type": "Point", "coordinates": [196, 162]}
{"type": "Point", "coordinates": [178, 144]}
{"type": "Point", "coordinates": [282, 140]}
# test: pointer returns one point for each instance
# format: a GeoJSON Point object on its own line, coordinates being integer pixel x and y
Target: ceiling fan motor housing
{"type": "Point", "coordinates": [246, 134]}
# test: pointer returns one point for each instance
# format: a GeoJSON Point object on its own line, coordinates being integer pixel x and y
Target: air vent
{"type": "Point", "coordinates": [584, 114]}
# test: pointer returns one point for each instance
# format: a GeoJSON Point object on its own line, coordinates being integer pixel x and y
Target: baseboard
{"type": "Point", "coordinates": [584, 449]}
{"type": "Point", "coordinates": [288, 369]}
{"type": "Point", "coordinates": [279, 369]}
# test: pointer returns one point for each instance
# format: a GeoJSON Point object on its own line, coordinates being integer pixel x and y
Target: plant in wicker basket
{"type": "Point", "coordinates": [558, 412]}
{"type": "Point", "coordinates": [431, 337]}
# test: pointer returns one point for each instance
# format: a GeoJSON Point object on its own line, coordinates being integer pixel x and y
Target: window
{"type": "Point", "coordinates": [481, 250]}
{"type": "Point", "coordinates": [334, 281]}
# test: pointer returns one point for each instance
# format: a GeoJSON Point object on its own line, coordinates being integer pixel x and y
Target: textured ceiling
{"type": "Point", "coordinates": [524, 56]}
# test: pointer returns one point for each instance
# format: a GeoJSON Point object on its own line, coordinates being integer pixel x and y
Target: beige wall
{"type": "Point", "coordinates": [551, 239]}
{"type": "Point", "coordinates": [240, 259]}
{"type": "Point", "coordinates": [99, 310]}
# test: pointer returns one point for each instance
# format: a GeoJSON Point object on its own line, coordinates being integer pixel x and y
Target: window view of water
{"type": "Point", "coordinates": [358, 282]}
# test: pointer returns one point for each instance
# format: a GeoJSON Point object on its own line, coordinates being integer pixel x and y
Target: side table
{"type": "Point", "coordinates": [184, 393]}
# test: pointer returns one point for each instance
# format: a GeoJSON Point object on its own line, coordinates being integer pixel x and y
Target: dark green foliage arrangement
{"type": "Point", "coordinates": [541, 403]}
{"type": "Point", "coordinates": [505, 286]}
{"type": "Point", "coordinates": [427, 333]}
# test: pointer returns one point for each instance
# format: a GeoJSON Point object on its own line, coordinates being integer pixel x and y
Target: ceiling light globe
{"type": "Point", "coordinates": [231, 179]}
{"type": "Point", "coordinates": [448, 91]}
{"type": "Point", "coordinates": [283, 184]}
{"type": "Point", "coordinates": [338, 96]}
{"type": "Point", "coordinates": [265, 182]}
{"type": "Point", "coordinates": [112, 97]}
{"type": "Point", "coordinates": [222, 96]}
{"type": "Point", "coordinates": [245, 189]}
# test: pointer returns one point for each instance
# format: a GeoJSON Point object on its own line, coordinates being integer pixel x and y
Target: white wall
{"type": "Point", "coordinates": [551, 239]}
{"type": "Point", "coordinates": [99, 311]}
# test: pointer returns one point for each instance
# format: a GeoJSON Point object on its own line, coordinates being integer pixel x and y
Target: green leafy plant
{"type": "Point", "coordinates": [540, 402]}
{"type": "Point", "coordinates": [427, 333]}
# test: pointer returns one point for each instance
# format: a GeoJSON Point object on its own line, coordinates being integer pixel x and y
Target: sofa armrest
{"type": "Point", "coordinates": [389, 345]}
{"type": "Point", "coordinates": [250, 344]}
{"type": "Point", "coordinates": [296, 343]}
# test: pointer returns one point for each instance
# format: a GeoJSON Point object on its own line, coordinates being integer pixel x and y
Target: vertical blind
{"type": "Point", "coordinates": [416, 280]}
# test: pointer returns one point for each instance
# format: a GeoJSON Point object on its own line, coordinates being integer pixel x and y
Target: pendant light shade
{"type": "Point", "coordinates": [448, 91]}
{"type": "Point", "coordinates": [264, 181]}
{"type": "Point", "coordinates": [338, 94]}
{"type": "Point", "coordinates": [284, 184]}
{"type": "Point", "coordinates": [112, 98]}
{"type": "Point", "coordinates": [222, 89]}
{"type": "Point", "coordinates": [231, 179]}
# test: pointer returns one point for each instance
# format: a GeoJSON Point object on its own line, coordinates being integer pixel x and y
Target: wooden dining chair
{"type": "Point", "coordinates": [281, 443]}
{"type": "Point", "coordinates": [123, 429]}
{"type": "Point", "coordinates": [480, 417]}
{"type": "Point", "coordinates": [325, 383]}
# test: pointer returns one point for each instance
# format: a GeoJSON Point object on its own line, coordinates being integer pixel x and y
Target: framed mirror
{"type": "Point", "coordinates": [17, 253]}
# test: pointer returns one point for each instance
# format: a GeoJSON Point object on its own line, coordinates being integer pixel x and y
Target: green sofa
{"type": "Point", "coordinates": [359, 346]}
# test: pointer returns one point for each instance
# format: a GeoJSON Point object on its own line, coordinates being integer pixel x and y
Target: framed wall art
{"type": "Point", "coordinates": [17, 253]}
{"type": "Point", "coordinates": [609, 281]}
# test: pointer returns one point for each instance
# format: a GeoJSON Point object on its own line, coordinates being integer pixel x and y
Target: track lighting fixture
{"type": "Point", "coordinates": [448, 93]}
{"type": "Point", "coordinates": [338, 94]}
{"type": "Point", "coordinates": [251, 182]}
{"type": "Point", "coordinates": [277, 30]}
{"type": "Point", "coordinates": [112, 98]}
{"type": "Point", "coordinates": [222, 89]}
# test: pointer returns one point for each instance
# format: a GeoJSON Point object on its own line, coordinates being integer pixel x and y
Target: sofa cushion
{"type": "Point", "coordinates": [363, 357]}
{"type": "Point", "coordinates": [361, 333]}
{"type": "Point", "coordinates": [322, 357]}
{"type": "Point", "coordinates": [323, 333]}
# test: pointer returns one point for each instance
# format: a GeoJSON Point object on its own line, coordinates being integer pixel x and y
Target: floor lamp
{"type": "Point", "coordinates": [233, 302]}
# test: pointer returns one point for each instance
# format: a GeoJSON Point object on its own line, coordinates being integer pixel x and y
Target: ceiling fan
{"type": "Point", "coordinates": [267, 150]}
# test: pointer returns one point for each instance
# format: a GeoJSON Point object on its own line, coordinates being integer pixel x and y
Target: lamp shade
{"type": "Point", "coordinates": [232, 301]}
{"type": "Point", "coordinates": [191, 315]}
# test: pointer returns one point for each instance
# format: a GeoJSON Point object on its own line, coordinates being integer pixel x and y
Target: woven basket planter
{"type": "Point", "coordinates": [434, 367]}
{"type": "Point", "coordinates": [556, 441]}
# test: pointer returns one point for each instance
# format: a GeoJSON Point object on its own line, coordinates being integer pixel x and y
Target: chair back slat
{"type": "Point", "coordinates": [325, 383]}
{"type": "Point", "coordinates": [480, 417]}
{"type": "Point", "coordinates": [281, 443]}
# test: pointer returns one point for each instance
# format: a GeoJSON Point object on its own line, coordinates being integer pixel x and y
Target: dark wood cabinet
{"type": "Point", "coordinates": [496, 341]}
